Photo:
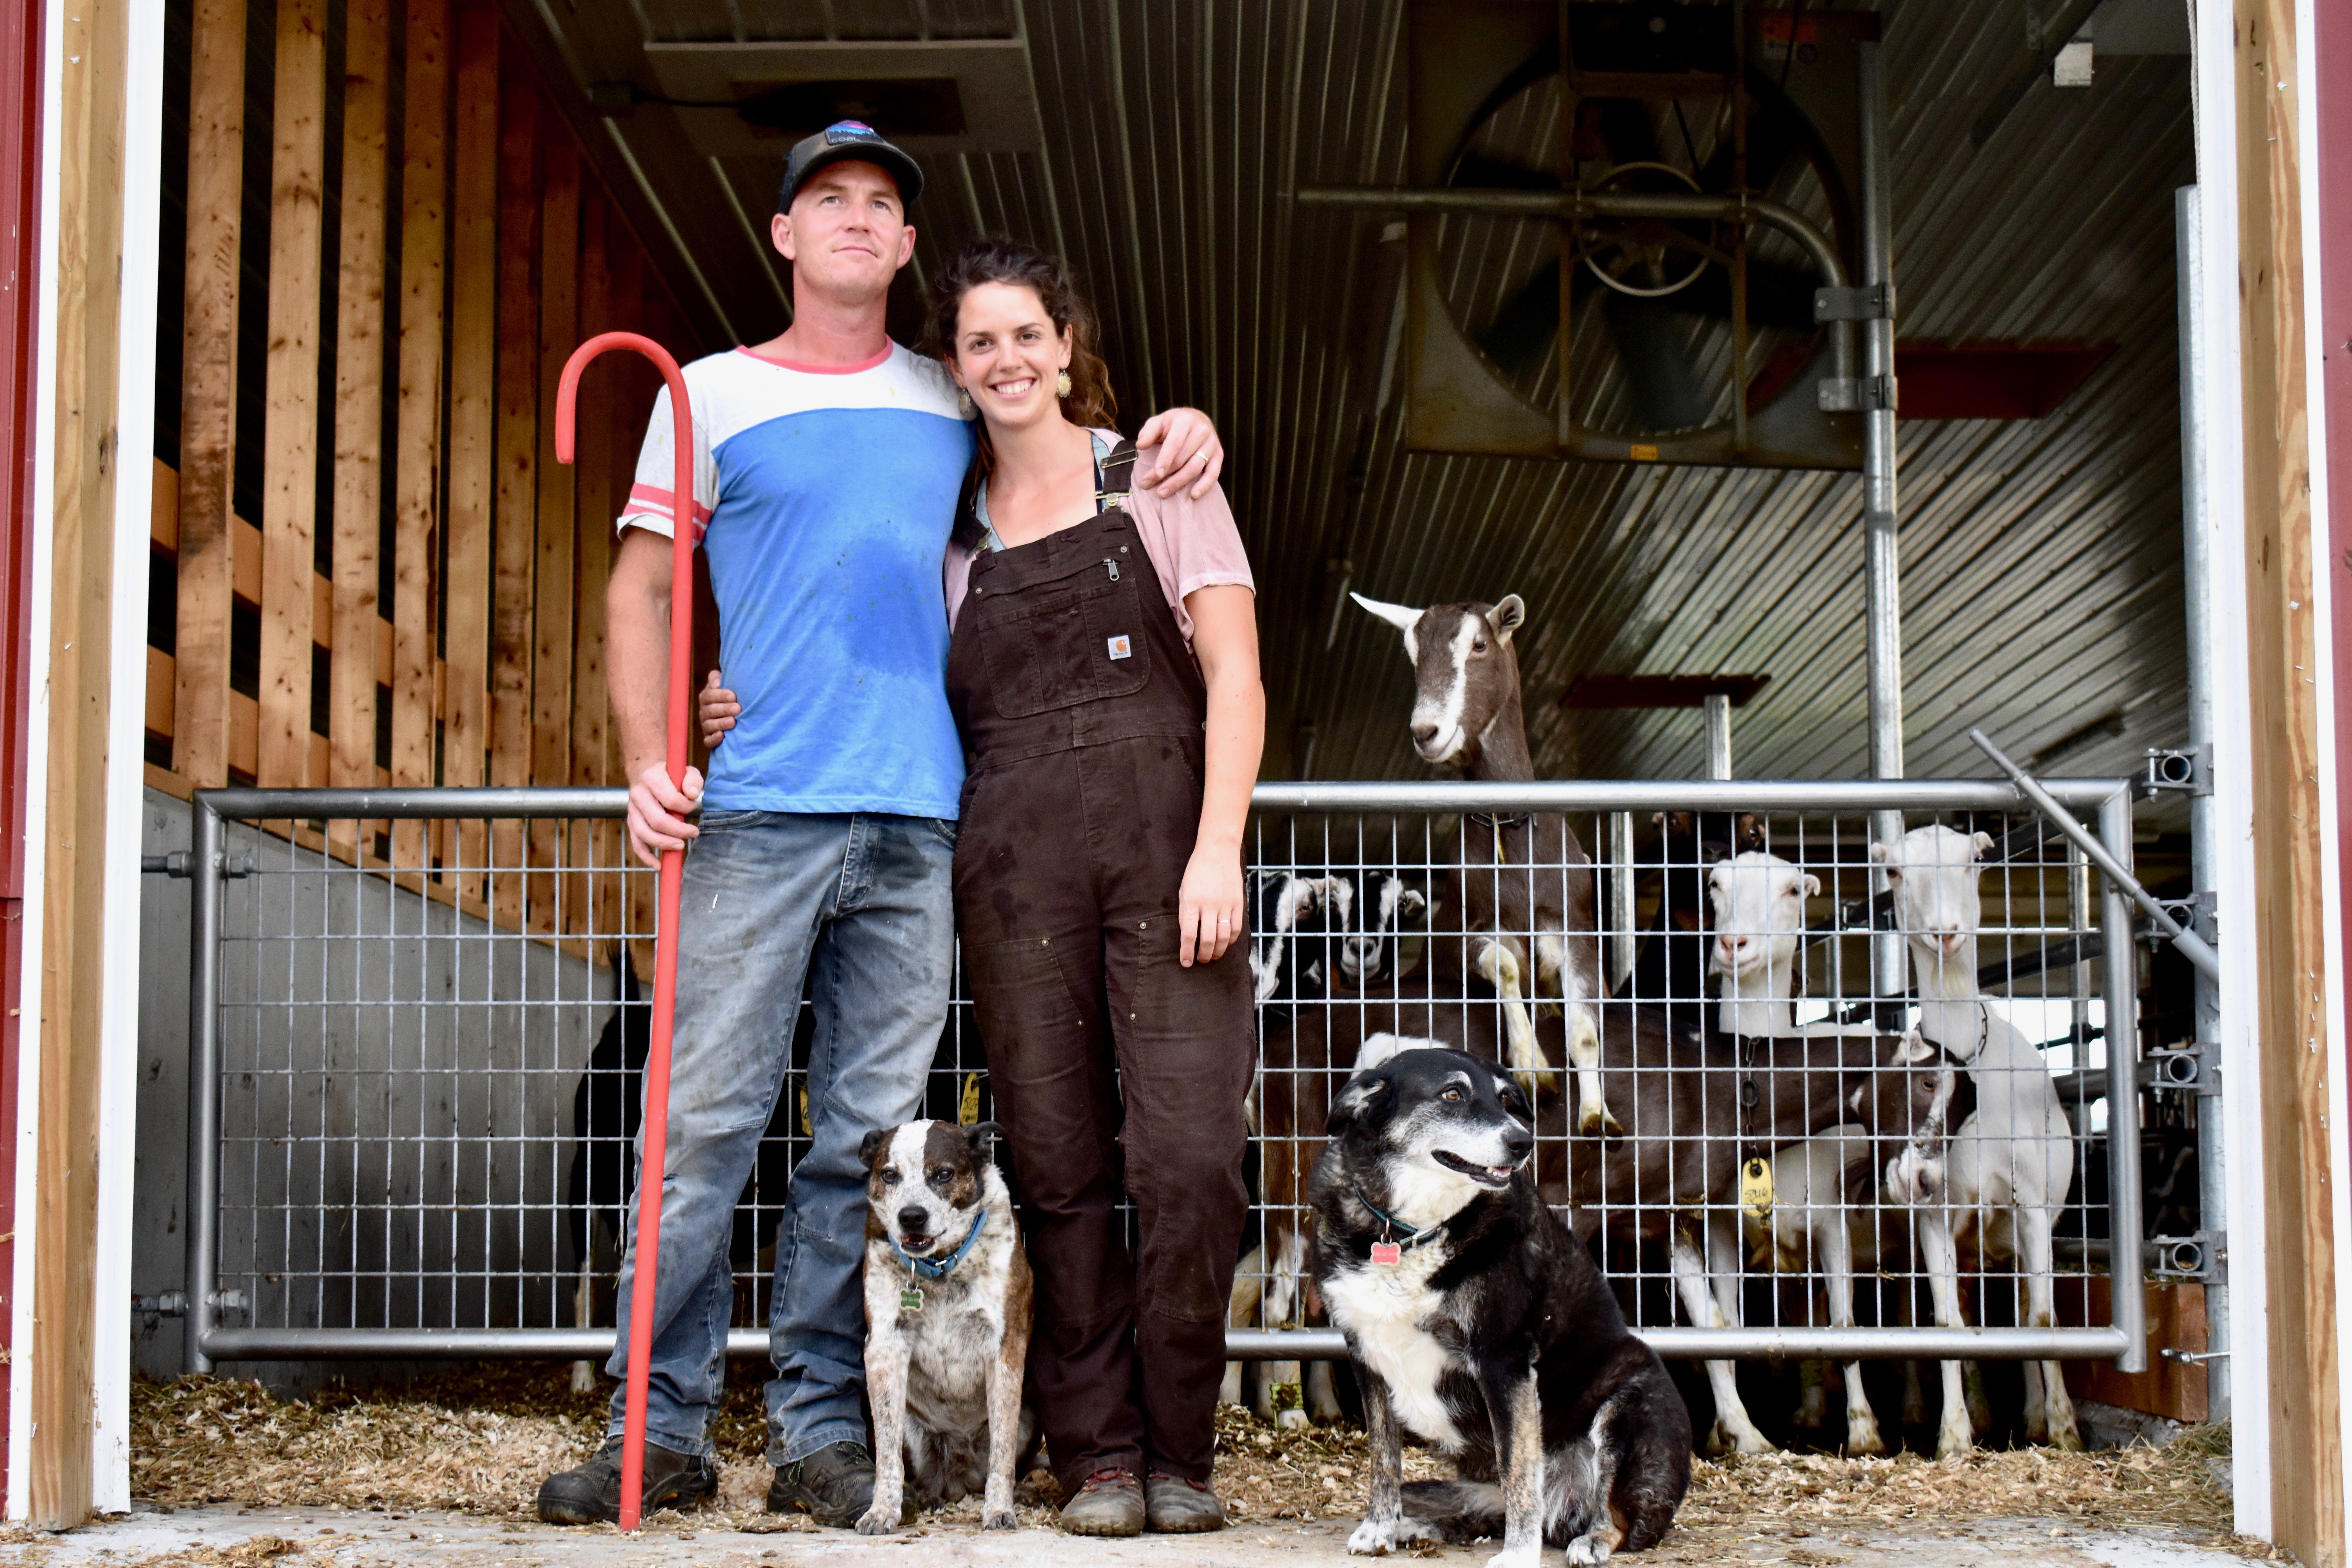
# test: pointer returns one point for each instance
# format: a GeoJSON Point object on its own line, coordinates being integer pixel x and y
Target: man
{"type": "Point", "coordinates": [827, 466]}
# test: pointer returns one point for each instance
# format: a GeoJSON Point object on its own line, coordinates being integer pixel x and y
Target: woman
{"type": "Point", "coordinates": [1103, 671]}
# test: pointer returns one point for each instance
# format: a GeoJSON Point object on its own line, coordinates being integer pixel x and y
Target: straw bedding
{"type": "Point", "coordinates": [481, 1443]}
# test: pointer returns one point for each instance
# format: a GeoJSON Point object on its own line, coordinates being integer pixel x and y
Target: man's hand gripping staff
{"type": "Point", "coordinates": [654, 821]}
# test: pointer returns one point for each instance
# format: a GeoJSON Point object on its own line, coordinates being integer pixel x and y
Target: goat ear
{"type": "Point", "coordinates": [870, 1147]}
{"type": "Point", "coordinates": [1507, 616]}
{"type": "Point", "coordinates": [1413, 901]}
{"type": "Point", "coordinates": [1398, 615]}
{"type": "Point", "coordinates": [1812, 886]}
{"type": "Point", "coordinates": [1983, 842]}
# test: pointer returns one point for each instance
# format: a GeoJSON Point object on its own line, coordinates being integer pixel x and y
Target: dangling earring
{"type": "Point", "coordinates": [1062, 384]}
{"type": "Point", "coordinates": [964, 403]}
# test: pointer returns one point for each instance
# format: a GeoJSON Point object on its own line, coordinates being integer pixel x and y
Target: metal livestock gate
{"type": "Point", "coordinates": [392, 1099]}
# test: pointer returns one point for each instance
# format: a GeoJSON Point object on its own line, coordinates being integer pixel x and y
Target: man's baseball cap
{"type": "Point", "coordinates": [841, 142]}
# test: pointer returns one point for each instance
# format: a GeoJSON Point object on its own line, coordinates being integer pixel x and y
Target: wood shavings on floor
{"type": "Point", "coordinates": [481, 1443]}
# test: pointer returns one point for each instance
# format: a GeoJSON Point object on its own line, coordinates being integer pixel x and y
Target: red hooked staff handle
{"type": "Point", "coordinates": [654, 1127]}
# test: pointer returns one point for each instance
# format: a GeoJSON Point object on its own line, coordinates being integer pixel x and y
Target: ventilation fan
{"type": "Point", "coordinates": [1673, 183]}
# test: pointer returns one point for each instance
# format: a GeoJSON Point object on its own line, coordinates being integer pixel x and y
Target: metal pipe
{"type": "Point", "coordinates": [1577, 204]}
{"type": "Point", "coordinates": [1621, 916]}
{"type": "Point", "coordinates": [2122, 960]}
{"type": "Point", "coordinates": [1241, 1345]}
{"type": "Point", "coordinates": [1716, 709]}
{"type": "Point", "coordinates": [2193, 946]}
{"type": "Point", "coordinates": [202, 1269]}
{"type": "Point", "coordinates": [1279, 796]}
{"type": "Point", "coordinates": [1882, 568]}
{"type": "Point", "coordinates": [1672, 795]}
{"type": "Point", "coordinates": [408, 804]}
{"type": "Point", "coordinates": [2204, 832]}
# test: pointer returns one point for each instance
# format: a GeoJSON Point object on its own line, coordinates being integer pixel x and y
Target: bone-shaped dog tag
{"type": "Point", "coordinates": [910, 1299]}
{"type": "Point", "coordinates": [1386, 1254]}
{"type": "Point", "coordinates": [1756, 1188]}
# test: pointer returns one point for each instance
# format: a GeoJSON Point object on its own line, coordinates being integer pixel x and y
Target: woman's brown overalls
{"type": "Point", "coordinates": [1081, 712]}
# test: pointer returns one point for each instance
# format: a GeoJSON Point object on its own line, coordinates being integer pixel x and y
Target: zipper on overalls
{"type": "Point", "coordinates": [1114, 568]}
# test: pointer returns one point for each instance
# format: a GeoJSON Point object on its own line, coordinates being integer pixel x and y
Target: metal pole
{"type": "Point", "coordinates": [1881, 562]}
{"type": "Point", "coordinates": [1739, 209]}
{"type": "Point", "coordinates": [2121, 957]}
{"type": "Point", "coordinates": [2192, 947]}
{"type": "Point", "coordinates": [1717, 708]}
{"type": "Point", "coordinates": [1865, 1342]}
{"type": "Point", "coordinates": [203, 1268]}
{"type": "Point", "coordinates": [1621, 897]}
{"type": "Point", "coordinates": [2204, 841]}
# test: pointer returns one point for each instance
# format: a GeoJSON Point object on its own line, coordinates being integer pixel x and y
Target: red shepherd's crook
{"type": "Point", "coordinates": [654, 1127]}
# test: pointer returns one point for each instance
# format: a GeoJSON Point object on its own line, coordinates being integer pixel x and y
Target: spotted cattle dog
{"type": "Point", "coordinates": [947, 1300]}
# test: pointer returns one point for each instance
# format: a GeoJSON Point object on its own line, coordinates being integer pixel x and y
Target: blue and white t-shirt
{"type": "Point", "coordinates": [824, 499]}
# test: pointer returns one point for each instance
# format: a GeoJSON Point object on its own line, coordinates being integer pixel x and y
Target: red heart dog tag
{"type": "Point", "coordinates": [1386, 1254]}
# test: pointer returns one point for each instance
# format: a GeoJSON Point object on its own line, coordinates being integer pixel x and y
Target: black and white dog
{"type": "Point", "coordinates": [948, 1304]}
{"type": "Point", "coordinates": [1480, 1326]}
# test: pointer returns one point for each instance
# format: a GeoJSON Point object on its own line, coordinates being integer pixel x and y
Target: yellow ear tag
{"type": "Point", "coordinates": [1756, 1188]}
{"type": "Point", "coordinates": [804, 1120]}
{"type": "Point", "coordinates": [968, 1108]}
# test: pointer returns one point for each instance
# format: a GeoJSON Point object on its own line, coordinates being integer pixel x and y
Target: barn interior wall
{"type": "Point", "coordinates": [418, 598]}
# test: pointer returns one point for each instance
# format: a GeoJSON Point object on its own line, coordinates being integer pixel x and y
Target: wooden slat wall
{"type": "Point", "coordinates": [518, 470]}
{"type": "Point", "coordinates": [551, 671]}
{"type": "Point", "coordinates": [289, 493]}
{"type": "Point", "coordinates": [359, 402]}
{"type": "Point", "coordinates": [487, 661]}
{"type": "Point", "coordinates": [416, 514]}
{"type": "Point", "coordinates": [200, 723]}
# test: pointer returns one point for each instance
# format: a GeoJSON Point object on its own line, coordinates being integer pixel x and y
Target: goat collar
{"type": "Point", "coordinates": [1984, 1025]}
{"type": "Point", "coordinates": [1390, 1226]}
{"type": "Point", "coordinates": [939, 1268]}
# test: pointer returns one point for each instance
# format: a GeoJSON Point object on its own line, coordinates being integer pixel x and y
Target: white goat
{"type": "Point", "coordinates": [1759, 905]}
{"type": "Point", "coordinates": [2011, 1163]}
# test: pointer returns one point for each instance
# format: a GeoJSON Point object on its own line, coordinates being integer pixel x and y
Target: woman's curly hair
{"type": "Point", "coordinates": [998, 258]}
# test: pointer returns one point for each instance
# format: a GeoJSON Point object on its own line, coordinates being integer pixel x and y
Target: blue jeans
{"type": "Point", "coordinates": [864, 906]}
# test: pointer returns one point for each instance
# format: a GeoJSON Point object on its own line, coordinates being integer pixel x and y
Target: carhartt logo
{"type": "Point", "coordinates": [1119, 648]}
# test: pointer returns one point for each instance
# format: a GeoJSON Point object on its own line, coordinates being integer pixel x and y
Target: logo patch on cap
{"type": "Point", "coordinates": [850, 131]}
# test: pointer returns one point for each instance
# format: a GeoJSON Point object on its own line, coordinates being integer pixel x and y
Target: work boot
{"type": "Point", "coordinates": [1110, 1503]}
{"type": "Point", "coordinates": [835, 1485]}
{"type": "Point", "coordinates": [1173, 1506]}
{"type": "Point", "coordinates": [591, 1493]}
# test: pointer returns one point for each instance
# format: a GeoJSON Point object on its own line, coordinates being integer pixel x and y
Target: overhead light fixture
{"type": "Point", "coordinates": [754, 100]}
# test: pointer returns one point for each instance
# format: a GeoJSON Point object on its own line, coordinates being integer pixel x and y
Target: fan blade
{"type": "Point", "coordinates": [1660, 376]}
{"type": "Point", "coordinates": [1523, 330]}
{"type": "Point", "coordinates": [1478, 170]}
{"type": "Point", "coordinates": [1777, 296]}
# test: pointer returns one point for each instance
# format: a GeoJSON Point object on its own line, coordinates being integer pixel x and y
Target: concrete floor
{"type": "Point", "coordinates": [236, 1536]}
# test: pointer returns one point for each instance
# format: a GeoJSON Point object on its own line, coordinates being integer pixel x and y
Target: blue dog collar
{"type": "Point", "coordinates": [935, 1269]}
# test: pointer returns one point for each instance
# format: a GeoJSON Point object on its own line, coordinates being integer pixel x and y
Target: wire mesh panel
{"type": "Point", "coordinates": [1733, 1017]}
{"type": "Point", "coordinates": [418, 1030]}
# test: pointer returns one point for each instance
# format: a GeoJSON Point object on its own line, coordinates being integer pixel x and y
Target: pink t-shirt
{"type": "Point", "coordinates": [1192, 544]}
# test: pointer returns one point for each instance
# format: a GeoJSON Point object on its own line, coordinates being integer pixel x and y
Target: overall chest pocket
{"type": "Point", "coordinates": [1055, 643]}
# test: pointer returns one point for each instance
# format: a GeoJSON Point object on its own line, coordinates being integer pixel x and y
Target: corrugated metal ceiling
{"type": "Point", "coordinates": [2040, 559]}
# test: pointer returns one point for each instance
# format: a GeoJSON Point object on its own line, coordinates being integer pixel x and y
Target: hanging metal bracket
{"type": "Point", "coordinates": [1861, 303]}
{"type": "Point", "coordinates": [2204, 1255]}
{"type": "Point", "coordinates": [1864, 394]}
{"type": "Point", "coordinates": [2186, 770]}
